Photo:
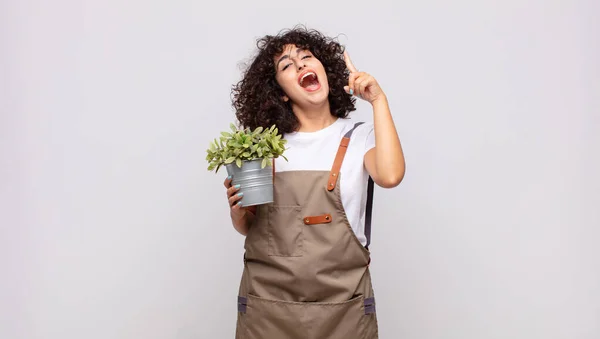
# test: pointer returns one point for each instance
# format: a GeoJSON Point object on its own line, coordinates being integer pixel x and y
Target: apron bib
{"type": "Point", "coordinates": [306, 274]}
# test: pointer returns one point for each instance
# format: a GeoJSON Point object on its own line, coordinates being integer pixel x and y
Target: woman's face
{"type": "Point", "coordinates": [301, 76]}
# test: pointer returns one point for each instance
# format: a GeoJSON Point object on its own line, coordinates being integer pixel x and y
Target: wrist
{"type": "Point", "coordinates": [237, 217]}
{"type": "Point", "coordinates": [379, 100]}
{"type": "Point", "coordinates": [380, 103]}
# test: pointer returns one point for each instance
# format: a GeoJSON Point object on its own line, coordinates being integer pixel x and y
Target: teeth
{"type": "Point", "coordinates": [305, 75]}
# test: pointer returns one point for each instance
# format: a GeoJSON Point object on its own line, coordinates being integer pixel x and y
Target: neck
{"type": "Point", "coordinates": [313, 119]}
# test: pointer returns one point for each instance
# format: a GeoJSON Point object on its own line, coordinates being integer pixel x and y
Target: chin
{"type": "Point", "coordinates": [319, 99]}
{"type": "Point", "coordinates": [323, 92]}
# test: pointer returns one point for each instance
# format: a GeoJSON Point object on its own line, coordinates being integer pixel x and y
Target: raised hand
{"type": "Point", "coordinates": [362, 84]}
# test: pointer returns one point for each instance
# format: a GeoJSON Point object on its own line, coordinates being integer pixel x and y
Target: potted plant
{"type": "Point", "coordinates": [248, 157]}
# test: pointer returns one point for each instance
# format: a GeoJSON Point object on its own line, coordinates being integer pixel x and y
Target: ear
{"type": "Point", "coordinates": [285, 98]}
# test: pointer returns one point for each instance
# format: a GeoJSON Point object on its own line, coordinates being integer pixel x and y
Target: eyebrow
{"type": "Point", "coordinates": [287, 56]}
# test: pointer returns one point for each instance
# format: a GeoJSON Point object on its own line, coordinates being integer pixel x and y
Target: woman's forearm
{"type": "Point", "coordinates": [389, 158]}
{"type": "Point", "coordinates": [242, 224]}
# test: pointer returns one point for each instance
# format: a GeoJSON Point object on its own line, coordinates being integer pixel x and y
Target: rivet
{"type": "Point", "coordinates": [306, 221]}
{"type": "Point", "coordinates": [326, 217]}
{"type": "Point", "coordinates": [334, 174]}
{"type": "Point", "coordinates": [330, 184]}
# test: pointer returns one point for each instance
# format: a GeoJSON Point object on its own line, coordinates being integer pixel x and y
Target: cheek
{"type": "Point", "coordinates": [324, 81]}
{"type": "Point", "coordinates": [285, 85]}
{"type": "Point", "coordinates": [286, 82]}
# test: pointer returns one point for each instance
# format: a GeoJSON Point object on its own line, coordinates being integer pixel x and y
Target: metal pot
{"type": "Point", "coordinates": [255, 182]}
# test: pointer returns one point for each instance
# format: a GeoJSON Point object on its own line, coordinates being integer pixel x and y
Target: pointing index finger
{"type": "Point", "coordinates": [349, 63]}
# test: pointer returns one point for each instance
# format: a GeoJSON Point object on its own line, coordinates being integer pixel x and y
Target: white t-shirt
{"type": "Point", "coordinates": [315, 151]}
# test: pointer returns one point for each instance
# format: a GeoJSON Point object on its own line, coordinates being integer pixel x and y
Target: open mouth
{"type": "Point", "coordinates": [309, 81]}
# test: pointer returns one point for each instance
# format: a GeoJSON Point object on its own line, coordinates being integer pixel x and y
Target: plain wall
{"type": "Point", "coordinates": [111, 226]}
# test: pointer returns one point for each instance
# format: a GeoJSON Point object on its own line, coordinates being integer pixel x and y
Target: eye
{"type": "Point", "coordinates": [288, 65]}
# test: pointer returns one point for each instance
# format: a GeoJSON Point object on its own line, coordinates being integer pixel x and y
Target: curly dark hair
{"type": "Point", "coordinates": [257, 97]}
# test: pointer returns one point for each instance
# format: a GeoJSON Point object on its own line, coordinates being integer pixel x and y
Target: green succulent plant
{"type": "Point", "coordinates": [244, 145]}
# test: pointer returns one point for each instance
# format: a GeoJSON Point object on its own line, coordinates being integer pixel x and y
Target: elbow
{"type": "Point", "coordinates": [392, 180]}
{"type": "Point", "coordinates": [390, 183]}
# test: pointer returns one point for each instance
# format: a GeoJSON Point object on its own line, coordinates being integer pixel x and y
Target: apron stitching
{"type": "Point", "coordinates": [367, 325]}
{"type": "Point", "coordinates": [340, 208]}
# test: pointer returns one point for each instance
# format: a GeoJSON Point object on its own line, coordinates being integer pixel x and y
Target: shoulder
{"type": "Point", "coordinates": [359, 126]}
{"type": "Point", "coordinates": [361, 140]}
{"type": "Point", "coordinates": [363, 130]}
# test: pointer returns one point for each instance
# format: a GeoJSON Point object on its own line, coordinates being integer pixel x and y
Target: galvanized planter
{"type": "Point", "coordinates": [255, 182]}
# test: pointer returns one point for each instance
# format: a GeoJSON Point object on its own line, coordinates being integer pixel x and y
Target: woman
{"type": "Point", "coordinates": [306, 261]}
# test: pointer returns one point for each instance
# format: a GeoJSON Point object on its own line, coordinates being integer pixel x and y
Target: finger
{"type": "Point", "coordinates": [349, 63]}
{"type": "Point", "coordinates": [231, 190]}
{"type": "Point", "coordinates": [236, 207]}
{"type": "Point", "coordinates": [227, 181]}
{"type": "Point", "coordinates": [364, 83]}
{"type": "Point", "coordinates": [235, 198]}
{"type": "Point", "coordinates": [357, 84]}
{"type": "Point", "coordinates": [351, 80]}
{"type": "Point", "coordinates": [361, 78]}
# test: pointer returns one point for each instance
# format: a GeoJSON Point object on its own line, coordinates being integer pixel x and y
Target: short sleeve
{"type": "Point", "coordinates": [370, 140]}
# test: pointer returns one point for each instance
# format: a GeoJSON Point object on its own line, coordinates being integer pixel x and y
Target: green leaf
{"type": "Point", "coordinates": [243, 144]}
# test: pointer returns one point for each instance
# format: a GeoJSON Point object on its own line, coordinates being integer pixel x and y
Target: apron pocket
{"type": "Point", "coordinates": [275, 319]}
{"type": "Point", "coordinates": [285, 231]}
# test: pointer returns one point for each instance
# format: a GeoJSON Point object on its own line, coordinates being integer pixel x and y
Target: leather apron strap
{"type": "Point", "coordinates": [334, 174]}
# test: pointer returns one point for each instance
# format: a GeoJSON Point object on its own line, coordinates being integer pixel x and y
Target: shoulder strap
{"type": "Point", "coordinates": [333, 175]}
{"type": "Point", "coordinates": [339, 158]}
{"type": "Point", "coordinates": [369, 210]}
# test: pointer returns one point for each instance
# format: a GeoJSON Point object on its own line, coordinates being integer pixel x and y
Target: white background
{"type": "Point", "coordinates": [111, 226]}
